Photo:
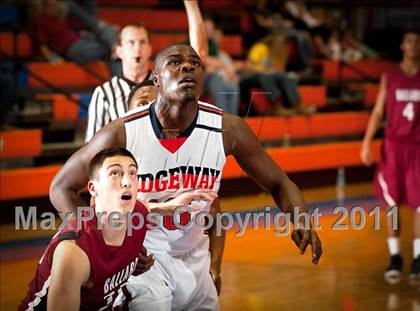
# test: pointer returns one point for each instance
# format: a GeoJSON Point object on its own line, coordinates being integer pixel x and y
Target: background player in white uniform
{"type": "Point", "coordinates": [180, 275]}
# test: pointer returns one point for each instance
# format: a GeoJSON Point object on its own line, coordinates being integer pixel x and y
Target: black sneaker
{"type": "Point", "coordinates": [395, 267]}
{"type": "Point", "coordinates": [415, 269]}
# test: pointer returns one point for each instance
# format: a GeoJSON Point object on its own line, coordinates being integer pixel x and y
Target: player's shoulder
{"type": "Point", "coordinates": [393, 71]}
{"type": "Point", "coordinates": [68, 249]}
{"type": "Point", "coordinates": [235, 129]}
{"type": "Point", "coordinates": [232, 121]}
{"type": "Point", "coordinates": [111, 135]}
{"type": "Point", "coordinates": [72, 260]}
{"type": "Point", "coordinates": [136, 113]}
{"type": "Point", "coordinates": [207, 107]}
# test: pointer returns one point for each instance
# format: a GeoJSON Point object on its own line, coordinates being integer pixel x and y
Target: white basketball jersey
{"type": "Point", "coordinates": [168, 167]}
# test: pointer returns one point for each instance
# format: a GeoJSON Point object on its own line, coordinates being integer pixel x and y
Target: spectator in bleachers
{"type": "Point", "coordinates": [303, 19]}
{"type": "Point", "coordinates": [330, 41]}
{"type": "Point", "coordinates": [58, 40]}
{"type": "Point", "coordinates": [269, 17]}
{"type": "Point", "coordinates": [220, 81]}
{"type": "Point", "coordinates": [109, 100]}
{"type": "Point", "coordinates": [267, 62]}
{"type": "Point", "coordinates": [346, 48]}
{"type": "Point", "coordinates": [83, 12]}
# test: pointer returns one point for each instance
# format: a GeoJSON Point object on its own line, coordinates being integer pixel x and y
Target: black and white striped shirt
{"type": "Point", "coordinates": [109, 102]}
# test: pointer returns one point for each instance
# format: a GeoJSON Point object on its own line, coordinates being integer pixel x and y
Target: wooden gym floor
{"type": "Point", "coordinates": [262, 271]}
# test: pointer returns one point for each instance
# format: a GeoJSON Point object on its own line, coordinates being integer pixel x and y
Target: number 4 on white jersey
{"type": "Point", "coordinates": [408, 111]}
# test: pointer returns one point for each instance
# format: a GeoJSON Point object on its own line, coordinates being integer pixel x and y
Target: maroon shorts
{"type": "Point", "coordinates": [397, 178]}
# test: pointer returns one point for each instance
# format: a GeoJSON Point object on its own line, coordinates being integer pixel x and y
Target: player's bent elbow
{"type": "Point", "coordinates": [53, 190]}
{"type": "Point", "coordinates": [56, 190]}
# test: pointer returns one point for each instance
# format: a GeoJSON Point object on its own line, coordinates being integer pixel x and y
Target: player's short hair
{"type": "Point", "coordinates": [163, 52]}
{"type": "Point", "coordinates": [98, 160]}
{"type": "Point", "coordinates": [136, 88]}
{"type": "Point", "coordinates": [410, 30]}
{"type": "Point", "coordinates": [135, 25]}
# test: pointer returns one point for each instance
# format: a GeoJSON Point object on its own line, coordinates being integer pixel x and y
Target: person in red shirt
{"type": "Point", "coordinates": [88, 262]}
{"type": "Point", "coordinates": [53, 30]}
{"type": "Point", "coordinates": [397, 179]}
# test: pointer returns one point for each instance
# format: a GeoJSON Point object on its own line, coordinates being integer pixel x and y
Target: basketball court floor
{"type": "Point", "coordinates": [262, 271]}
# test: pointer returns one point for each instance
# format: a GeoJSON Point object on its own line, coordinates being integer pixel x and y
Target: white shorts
{"type": "Point", "coordinates": [175, 283]}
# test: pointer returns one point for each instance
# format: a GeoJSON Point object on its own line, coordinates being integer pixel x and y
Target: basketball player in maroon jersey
{"type": "Point", "coordinates": [86, 267]}
{"type": "Point", "coordinates": [397, 179]}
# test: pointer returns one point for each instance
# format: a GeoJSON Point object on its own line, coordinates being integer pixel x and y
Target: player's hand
{"type": "Point", "coordinates": [366, 155]}
{"type": "Point", "coordinates": [190, 199]}
{"type": "Point", "coordinates": [187, 198]}
{"type": "Point", "coordinates": [144, 263]}
{"type": "Point", "coordinates": [304, 237]}
{"type": "Point", "coordinates": [217, 279]}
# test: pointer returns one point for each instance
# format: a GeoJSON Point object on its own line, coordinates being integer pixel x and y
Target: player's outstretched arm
{"type": "Point", "coordinates": [73, 176]}
{"type": "Point", "coordinates": [374, 122]}
{"type": "Point", "coordinates": [70, 270]}
{"type": "Point", "coordinates": [240, 141]}
{"type": "Point", "coordinates": [197, 32]}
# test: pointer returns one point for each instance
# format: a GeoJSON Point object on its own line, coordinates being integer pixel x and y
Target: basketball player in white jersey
{"type": "Point", "coordinates": [180, 145]}
{"type": "Point", "coordinates": [110, 99]}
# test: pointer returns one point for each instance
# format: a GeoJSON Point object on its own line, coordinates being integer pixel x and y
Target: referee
{"type": "Point", "coordinates": [110, 99]}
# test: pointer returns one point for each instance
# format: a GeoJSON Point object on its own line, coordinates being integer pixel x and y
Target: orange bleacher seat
{"type": "Point", "coordinates": [154, 20]}
{"type": "Point", "coordinates": [24, 44]}
{"type": "Point", "coordinates": [317, 125]}
{"type": "Point", "coordinates": [63, 107]}
{"type": "Point", "coordinates": [313, 95]}
{"type": "Point", "coordinates": [232, 45]}
{"type": "Point", "coordinates": [372, 68]}
{"type": "Point", "coordinates": [35, 182]}
{"type": "Point", "coordinates": [20, 143]}
{"type": "Point", "coordinates": [310, 96]}
{"type": "Point", "coordinates": [311, 157]}
{"type": "Point", "coordinates": [161, 41]}
{"type": "Point", "coordinates": [371, 91]}
{"type": "Point", "coordinates": [68, 74]}
{"type": "Point", "coordinates": [25, 183]}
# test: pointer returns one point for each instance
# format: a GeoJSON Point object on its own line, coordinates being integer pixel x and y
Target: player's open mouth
{"type": "Point", "coordinates": [137, 59]}
{"type": "Point", "coordinates": [188, 81]}
{"type": "Point", "coordinates": [126, 197]}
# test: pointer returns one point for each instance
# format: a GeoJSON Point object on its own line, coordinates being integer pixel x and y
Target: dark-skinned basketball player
{"type": "Point", "coordinates": [181, 144]}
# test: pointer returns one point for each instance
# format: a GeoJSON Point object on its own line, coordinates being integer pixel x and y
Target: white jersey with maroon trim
{"type": "Point", "coordinates": [168, 167]}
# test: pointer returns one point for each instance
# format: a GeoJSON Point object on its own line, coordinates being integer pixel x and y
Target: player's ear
{"type": "Point", "coordinates": [118, 50]}
{"type": "Point", "coordinates": [155, 79]}
{"type": "Point", "coordinates": [92, 188]}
